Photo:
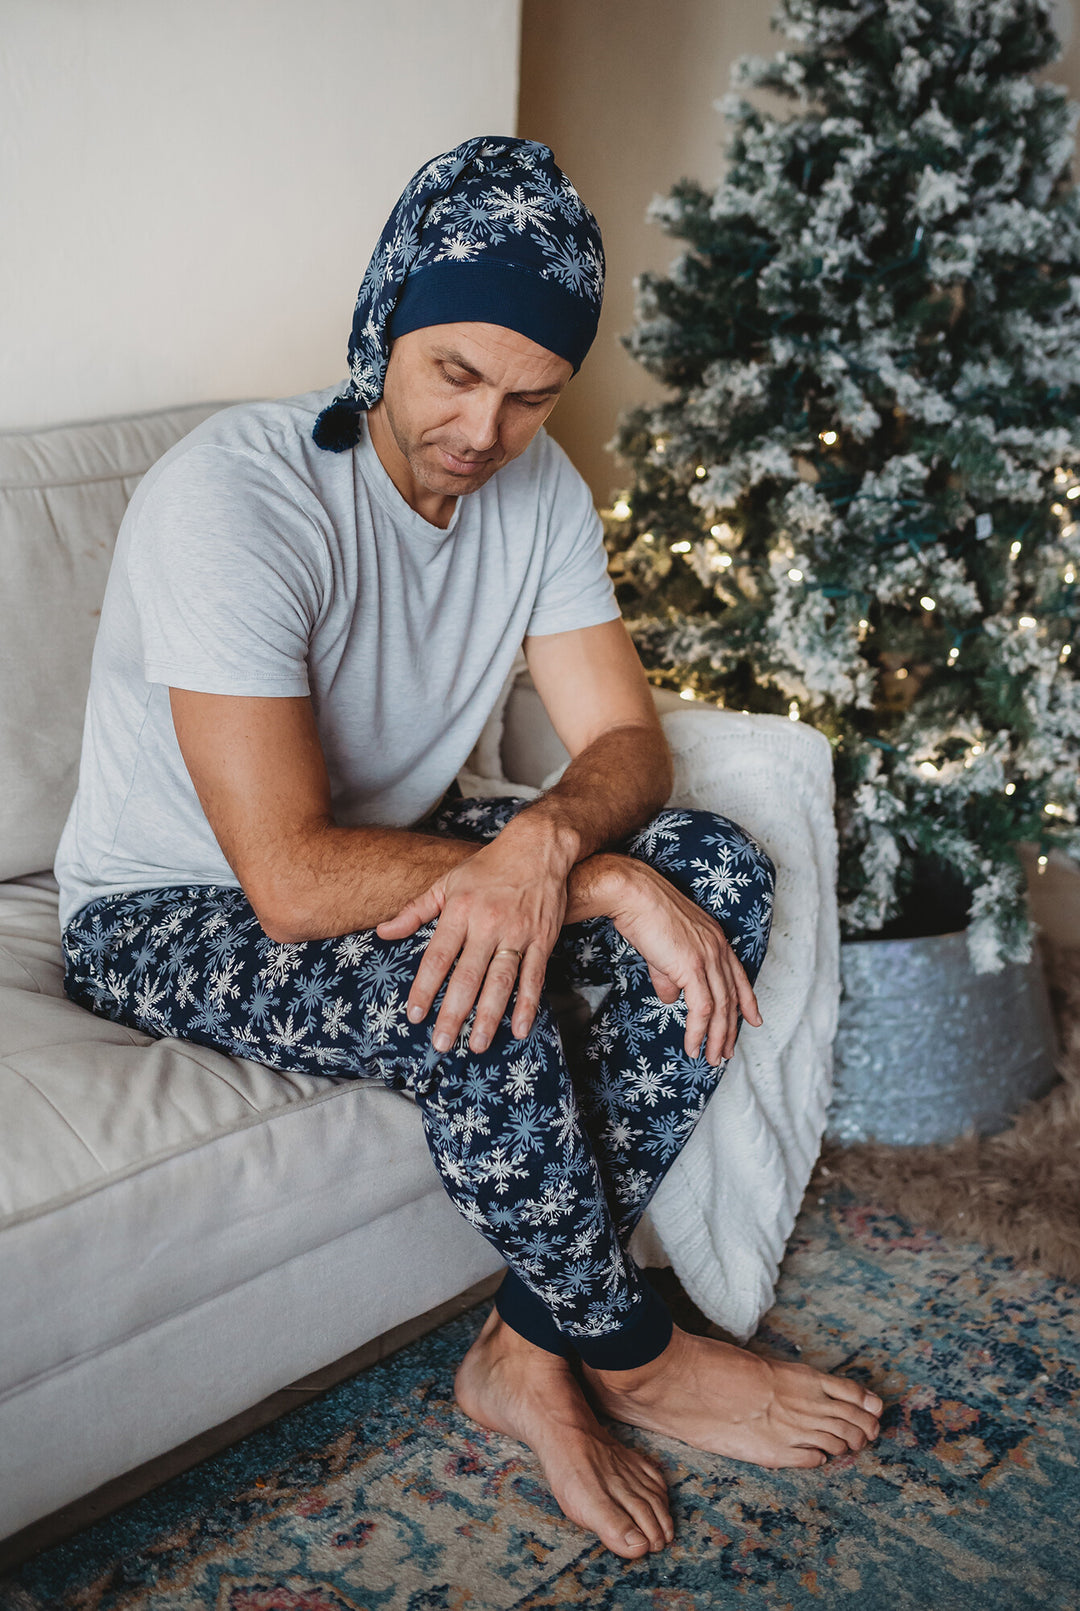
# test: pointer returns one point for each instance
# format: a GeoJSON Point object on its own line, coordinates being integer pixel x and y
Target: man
{"type": "Point", "coordinates": [312, 608]}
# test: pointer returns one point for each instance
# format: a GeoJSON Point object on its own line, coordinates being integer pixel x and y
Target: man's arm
{"type": "Point", "coordinates": [258, 768]}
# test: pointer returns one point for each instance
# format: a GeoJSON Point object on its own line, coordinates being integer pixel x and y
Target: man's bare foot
{"type": "Point", "coordinates": [509, 1385]}
{"type": "Point", "coordinates": [728, 1401]}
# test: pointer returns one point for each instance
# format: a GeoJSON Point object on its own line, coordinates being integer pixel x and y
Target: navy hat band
{"type": "Point", "coordinates": [498, 293]}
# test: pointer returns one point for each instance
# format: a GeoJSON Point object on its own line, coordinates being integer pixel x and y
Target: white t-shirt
{"type": "Point", "coordinates": [252, 562]}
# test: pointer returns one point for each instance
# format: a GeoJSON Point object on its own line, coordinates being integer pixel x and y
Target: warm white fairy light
{"type": "Point", "coordinates": [686, 693]}
{"type": "Point", "coordinates": [660, 444]}
{"type": "Point", "coordinates": [900, 673]}
{"type": "Point", "coordinates": [1010, 788]}
{"type": "Point", "coordinates": [954, 655]}
{"type": "Point", "coordinates": [793, 711]}
{"type": "Point", "coordinates": [976, 749]}
{"type": "Point", "coordinates": [723, 531]}
{"type": "Point", "coordinates": [863, 625]}
{"type": "Point", "coordinates": [1061, 475]}
{"type": "Point", "coordinates": [620, 509]}
{"type": "Point", "coordinates": [723, 559]}
{"type": "Point", "coordinates": [1042, 864]}
{"type": "Point", "coordinates": [1027, 622]}
{"type": "Point", "coordinates": [1057, 508]}
{"type": "Point", "coordinates": [794, 574]}
{"type": "Point", "coordinates": [927, 602]}
{"type": "Point", "coordinates": [680, 548]}
{"type": "Point", "coordinates": [828, 438]}
{"type": "Point", "coordinates": [1073, 492]}
{"type": "Point", "coordinates": [1052, 809]}
{"type": "Point", "coordinates": [1014, 549]}
{"type": "Point", "coordinates": [648, 537]}
{"type": "Point", "coordinates": [1070, 576]}
{"type": "Point", "coordinates": [701, 472]}
{"type": "Point", "coordinates": [928, 769]}
{"type": "Point", "coordinates": [1066, 651]}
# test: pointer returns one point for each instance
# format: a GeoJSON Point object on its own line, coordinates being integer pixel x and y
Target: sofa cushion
{"type": "Point", "coordinates": [63, 493]}
{"type": "Point", "coordinates": [141, 1177]}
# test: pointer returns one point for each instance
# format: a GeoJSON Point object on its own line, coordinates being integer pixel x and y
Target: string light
{"type": "Point", "coordinates": [620, 509]}
{"type": "Point", "coordinates": [723, 531]}
{"type": "Point", "coordinates": [928, 769]}
{"type": "Point", "coordinates": [864, 626]}
{"type": "Point", "coordinates": [1027, 621]}
{"type": "Point", "coordinates": [1070, 576]}
{"type": "Point", "coordinates": [1057, 509]}
{"type": "Point", "coordinates": [1014, 549]}
{"type": "Point", "coordinates": [1042, 864]}
{"type": "Point", "coordinates": [1073, 492]}
{"type": "Point", "coordinates": [1061, 475]}
{"type": "Point", "coordinates": [1066, 651]}
{"type": "Point", "coordinates": [828, 438]}
{"type": "Point", "coordinates": [1010, 788]}
{"type": "Point", "coordinates": [901, 673]}
{"type": "Point", "coordinates": [680, 548]}
{"type": "Point", "coordinates": [723, 559]}
{"type": "Point", "coordinates": [1052, 809]}
{"type": "Point", "coordinates": [976, 749]}
{"type": "Point", "coordinates": [686, 693]}
{"type": "Point", "coordinates": [660, 444]}
{"type": "Point", "coordinates": [927, 602]}
{"type": "Point", "coordinates": [793, 711]}
{"type": "Point", "coordinates": [954, 655]}
{"type": "Point", "coordinates": [648, 537]}
{"type": "Point", "coordinates": [701, 472]}
{"type": "Point", "coordinates": [795, 575]}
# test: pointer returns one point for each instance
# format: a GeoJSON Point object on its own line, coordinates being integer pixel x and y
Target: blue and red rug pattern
{"type": "Point", "coordinates": [381, 1496]}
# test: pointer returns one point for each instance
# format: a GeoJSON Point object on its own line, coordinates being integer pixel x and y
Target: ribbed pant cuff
{"type": "Point", "coordinates": [641, 1339]}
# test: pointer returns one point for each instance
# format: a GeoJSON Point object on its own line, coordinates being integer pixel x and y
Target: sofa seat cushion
{"type": "Point", "coordinates": [142, 1177]}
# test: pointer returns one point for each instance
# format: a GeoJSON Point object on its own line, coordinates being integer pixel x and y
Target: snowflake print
{"type": "Point", "coordinates": [351, 950]}
{"type": "Point", "coordinates": [755, 930]}
{"type": "Point", "coordinates": [281, 959]}
{"type": "Point", "coordinates": [647, 1084]}
{"type": "Point", "coordinates": [519, 210]}
{"type": "Point", "coordinates": [458, 249]}
{"type": "Point", "coordinates": [719, 882]}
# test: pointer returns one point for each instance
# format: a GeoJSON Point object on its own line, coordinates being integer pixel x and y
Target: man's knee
{"type": "Point", "coordinates": [694, 839]}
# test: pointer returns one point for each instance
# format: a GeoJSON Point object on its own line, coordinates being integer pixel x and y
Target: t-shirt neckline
{"type": "Point", "coordinates": [404, 516]}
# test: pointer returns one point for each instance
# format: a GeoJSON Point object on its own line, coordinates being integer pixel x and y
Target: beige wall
{"type": "Point", "coordinates": [192, 188]}
{"type": "Point", "coordinates": [622, 90]}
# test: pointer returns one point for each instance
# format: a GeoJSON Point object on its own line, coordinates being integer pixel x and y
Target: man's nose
{"type": "Point", "coordinates": [482, 420]}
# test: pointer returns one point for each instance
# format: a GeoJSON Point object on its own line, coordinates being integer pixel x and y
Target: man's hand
{"type": "Point", "coordinates": [499, 916]}
{"type": "Point", "coordinates": [686, 951]}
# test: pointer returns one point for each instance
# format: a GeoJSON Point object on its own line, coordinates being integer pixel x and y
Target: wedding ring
{"type": "Point", "coordinates": [507, 951]}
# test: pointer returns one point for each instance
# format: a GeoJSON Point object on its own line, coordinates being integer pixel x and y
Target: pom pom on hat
{"type": "Point", "coordinates": [338, 426]}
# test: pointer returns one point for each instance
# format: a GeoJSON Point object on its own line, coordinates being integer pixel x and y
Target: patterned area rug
{"type": "Point", "coordinates": [380, 1496]}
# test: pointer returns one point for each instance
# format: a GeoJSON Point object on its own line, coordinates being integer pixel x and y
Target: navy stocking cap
{"type": "Point", "coordinates": [492, 231]}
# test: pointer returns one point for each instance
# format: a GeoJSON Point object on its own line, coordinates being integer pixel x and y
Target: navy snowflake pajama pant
{"type": "Point", "coordinates": [553, 1160]}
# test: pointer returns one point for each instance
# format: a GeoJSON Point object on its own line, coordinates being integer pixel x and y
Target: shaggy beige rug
{"type": "Point", "coordinates": [1018, 1191]}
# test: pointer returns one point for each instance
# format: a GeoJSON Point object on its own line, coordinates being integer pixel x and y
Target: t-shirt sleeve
{"type": "Point", "coordinates": [227, 573]}
{"type": "Point", "coordinates": [575, 588]}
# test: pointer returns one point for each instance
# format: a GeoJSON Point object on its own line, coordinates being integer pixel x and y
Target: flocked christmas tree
{"type": "Point", "coordinates": [857, 505]}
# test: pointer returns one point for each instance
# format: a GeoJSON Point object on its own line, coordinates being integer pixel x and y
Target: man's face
{"type": "Point", "coordinates": [462, 399]}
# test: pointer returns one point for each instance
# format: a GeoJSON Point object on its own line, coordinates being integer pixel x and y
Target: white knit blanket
{"type": "Point", "coordinates": [724, 1212]}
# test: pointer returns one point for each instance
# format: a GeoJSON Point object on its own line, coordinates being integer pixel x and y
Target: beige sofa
{"type": "Point", "coordinates": [183, 1233]}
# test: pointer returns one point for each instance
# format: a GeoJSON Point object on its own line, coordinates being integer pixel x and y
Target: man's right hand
{"type": "Point", "coordinates": [686, 951]}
